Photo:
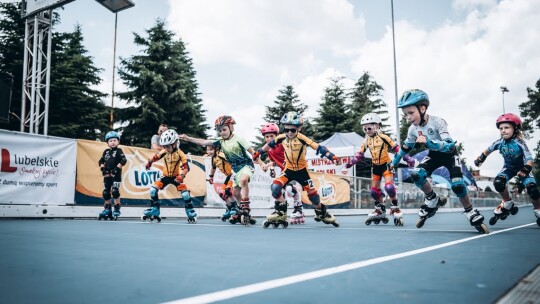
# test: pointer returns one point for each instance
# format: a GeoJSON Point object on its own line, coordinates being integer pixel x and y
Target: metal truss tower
{"type": "Point", "coordinates": [36, 73]}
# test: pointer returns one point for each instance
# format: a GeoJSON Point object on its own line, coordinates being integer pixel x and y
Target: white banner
{"type": "Point", "coordinates": [36, 6]}
{"type": "Point", "coordinates": [37, 169]}
{"type": "Point", "coordinates": [259, 188]}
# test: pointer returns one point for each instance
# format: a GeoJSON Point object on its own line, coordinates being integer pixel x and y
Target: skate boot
{"type": "Point", "coordinates": [502, 211]}
{"type": "Point", "coordinates": [106, 213]}
{"type": "Point", "coordinates": [297, 217]}
{"type": "Point", "coordinates": [398, 216]}
{"type": "Point", "coordinates": [191, 214]}
{"type": "Point", "coordinates": [231, 211]}
{"type": "Point", "coordinates": [245, 217]}
{"type": "Point", "coordinates": [278, 217]}
{"type": "Point", "coordinates": [237, 216]}
{"type": "Point", "coordinates": [477, 220]}
{"type": "Point", "coordinates": [152, 213]}
{"type": "Point", "coordinates": [429, 208]}
{"type": "Point", "coordinates": [378, 215]}
{"type": "Point", "coordinates": [322, 215]}
{"type": "Point", "coordinates": [537, 214]}
{"type": "Point", "coordinates": [116, 212]}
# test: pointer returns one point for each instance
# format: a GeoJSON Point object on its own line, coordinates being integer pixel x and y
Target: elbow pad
{"type": "Point", "coordinates": [442, 146]}
{"type": "Point", "coordinates": [321, 150]}
{"type": "Point", "coordinates": [272, 144]}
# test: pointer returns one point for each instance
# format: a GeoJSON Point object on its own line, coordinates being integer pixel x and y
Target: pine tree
{"type": "Point", "coordinates": [286, 101]}
{"type": "Point", "coordinates": [333, 113]}
{"type": "Point", "coordinates": [75, 110]}
{"type": "Point", "coordinates": [162, 89]}
{"type": "Point", "coordinates": [530, 112]}
{"type": "Point", "coordinates": [365, 98]}
{"type": "Point", "coordinates": [12, 56]}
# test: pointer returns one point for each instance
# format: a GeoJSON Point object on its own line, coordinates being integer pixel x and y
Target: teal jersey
{"type": "Point", "coordinates": [235, 150]}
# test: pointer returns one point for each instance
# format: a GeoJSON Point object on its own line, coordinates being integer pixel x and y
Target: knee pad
{"type": "Point", "coordinates": [499, 183]}
{"type": "Point", "coordinates": [115, 193]}
{"type": "Point", "coordinates": [459, 187]}
{"type": "Point", "coordinates": [186, 196]}
{"type": "Point", "coordinates": [390, 189]}
{"type": "Point", "coordinates": [375, 193]}
{"type": "Point", "coordinates": [154, 193]}
{"type": "Point", "coordinates": [532, 191]}
{"type": "Point", "coordinates": [106, 194]}
{"type": "Point", "coordinates": [419, 175]}
{"type": "Point", "coordinates": [276, 190]}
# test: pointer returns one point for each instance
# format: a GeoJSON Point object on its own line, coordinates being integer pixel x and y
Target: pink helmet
{"type": "Point", "coordinates": [270, 128]}
{"type": "Point", "coordinates": [509, 118]}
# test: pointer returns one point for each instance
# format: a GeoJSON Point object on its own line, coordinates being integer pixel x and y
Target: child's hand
{"type": "Point", "coordinates": [104, 171]}
{"type": "Point", "coordinates": [525, 171]}
{"type": "Point", "coordinates": [148, 165]}
{"type": "Point", "coordinates": [179, 179]}
{"type": "Point", "coordinates": [421, 139]}
{"type": "Point", "coordinates": [183, 137]}
{"type": "Point", "coordinates": [390, 167]}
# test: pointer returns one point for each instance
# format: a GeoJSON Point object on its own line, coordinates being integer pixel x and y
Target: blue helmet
{"type": "Point", "coordinates": [413, 97]}
{"type": "Point", "coordinates": [112, 134]}
{"type": "Point", "coordinates": [292, 118]}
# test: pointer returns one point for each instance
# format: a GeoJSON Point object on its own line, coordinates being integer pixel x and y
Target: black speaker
{"type": "Point", "coordinates": [6, 83]}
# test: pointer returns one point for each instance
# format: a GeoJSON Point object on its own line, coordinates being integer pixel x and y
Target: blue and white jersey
{"type": "Point", "coordinates": [515, 152]}
{"type": "Point", "coordinates": [436, 130]}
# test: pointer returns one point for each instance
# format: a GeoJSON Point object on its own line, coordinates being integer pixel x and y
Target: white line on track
{"type": "Point", "coordinates": [262, 286]}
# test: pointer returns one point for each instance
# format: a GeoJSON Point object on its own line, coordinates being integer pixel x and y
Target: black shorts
{"type": "Point", "coordinates": [112, 181]}
{"type": "Point", "coordinates": [436, 159]}
{"type": "Point", "coordinates": [300, 176]}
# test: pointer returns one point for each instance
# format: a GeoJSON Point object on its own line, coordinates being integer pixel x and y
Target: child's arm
{"type": "Point", "coordinates": [154, 158]}
{"type": "Point", "coordinates": [526, 169]}
{"type": "Point", "coordinates": [211, 175]}
{"type": "Point", "coordinates": [482, 158]}
{"type": "Point", "coordinates": [198, 141]}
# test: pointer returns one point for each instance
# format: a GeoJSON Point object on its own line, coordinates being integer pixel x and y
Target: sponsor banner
{"type": "Point", "coordinates": [333, 190]}
{"type": "Point", "coordinates": [36, 169]}
{"type": "Point", "coordinates": [136, 181]}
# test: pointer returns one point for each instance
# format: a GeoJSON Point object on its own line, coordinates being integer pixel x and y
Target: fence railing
{"type": "Point", "coordinates": [410, 196]}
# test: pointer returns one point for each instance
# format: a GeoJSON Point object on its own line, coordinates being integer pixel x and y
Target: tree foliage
{"type": "Point", "coordinates": [162, 89]}
{"type": "Point", "coordinates": [333, 114]}
{"type": "Point", "coordinates": [365, 98]}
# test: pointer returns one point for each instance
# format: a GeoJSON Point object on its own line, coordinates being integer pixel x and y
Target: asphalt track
{"type": "Point", "coordinates": [130, 261]}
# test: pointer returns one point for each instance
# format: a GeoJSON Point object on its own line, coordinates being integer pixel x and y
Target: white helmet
{"type": "Point", "coordinates": [370, 118]}
{"type": "Point", "coordinates": [168, 137]}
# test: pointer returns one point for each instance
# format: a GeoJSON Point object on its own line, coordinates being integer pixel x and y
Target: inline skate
{"type": "Point", "coordinates": [429, 208]}
{"type": "Point", "coordinates": [398, 216]}
{"type": "Point", "coordinates": [327, 218]}
{"type": "Point", "coordinates": [152, 213]}
{"type": "Point", "coordinates": [191, 214]}
{"type": "Point", "coordinates": [477, 220]}
{"type": "Point", "coordinates": [116, 212]}
{"type": "Point", "coordinates": [278, 217]}
{"type": "Point", "coordinates": [537, 214]}
{"type": "Point", "coordinates": [378, 215]}
{"type": "Point", "coordinates": [231, 211]}
{"type": "Point", "coordinates": [106, 213]}
{"type": "Point", "coordinates": [502, 211]}
{"type": "Point", "coordinates": [245, 216]}
{"type": "Point", "coordinates": [297, 217]}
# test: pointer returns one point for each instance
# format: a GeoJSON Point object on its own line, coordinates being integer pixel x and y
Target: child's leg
{"type": "Point", "coordinates": [186, 196]}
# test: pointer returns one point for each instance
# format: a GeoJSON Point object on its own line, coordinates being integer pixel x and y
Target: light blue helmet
{"type": "Point", "coordinates": [413, 97]}
{"type": "Point", "coordinates": [111, 134]}
{"type": "Point", "coordinates": [292, 118]}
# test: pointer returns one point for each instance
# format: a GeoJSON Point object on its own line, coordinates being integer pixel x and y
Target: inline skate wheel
{"type": "Point", "coordinates": [223, 219]}
{"type": "Point", "coordinates": [275, 224]}
{"type": "Point", "coordinates": [143, 218]}
{"type": "Point", "coordinates": [482, 228]}
{"type": "Point", "coordinates": [368, 222]}
{"type": "Point", "coordinates": [158, 219]}
{"type": "Point", "coordinates": [376, 221]}
{"type": "Point", "coordinates": [385, 220]}
{"type": "Point", "coordinates": [398, 221]}
{"type": "Point", "coordinates": [285, 224]}
{"type": "Point", "coordinates": [99, 218]}
{"type": "Point", "coordinates": [317, 219]}
{"type": "Point", "coordinates": [538, 222]}
{"type": "Point", "coordinates": [514, 210]}
{"type": "Point", "coordinates": [266, 224]}
{"type": "Point", "coordinates": [116, 218]}
{"type": "Point", "coordinates": [493, 220]}
{"type": "Point", "coordinates": [420, 222]}
{"type": "Point", "coordinates": [252, 221]}
{"type": "Point", "coordinates": [336, 224]}
{"type": "Point", "coordinates": [244, 220]}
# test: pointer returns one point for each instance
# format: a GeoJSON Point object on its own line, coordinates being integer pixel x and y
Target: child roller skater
{"type": "Point", "coordinates": [379, 143]}
{"type": "Point", "coordinates": [232, 213]}
{"type": "Point", "coordinates": [432, 131]}
{"type": "Point", "coordinates": [292, 191]}
{"type": "Point", "coordinates": [174, 172]}
{"type": "Point", "coordinates": [517, 161]}
{"type": "Point", "coordinates": [111, 162]}
{"type": "Point", "coordinates": [295, 145]}
{"type": "Point", "coordinates": [236, 151]}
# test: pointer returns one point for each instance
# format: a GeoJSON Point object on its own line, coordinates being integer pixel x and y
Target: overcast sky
{"type": "Point", "coordinates": [460, 52]}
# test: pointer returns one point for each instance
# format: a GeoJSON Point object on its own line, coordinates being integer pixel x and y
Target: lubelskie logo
{"type": "Point", "coordinates": [6, 162]}
{"type": "Point", "coordinates": [25, 160]}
